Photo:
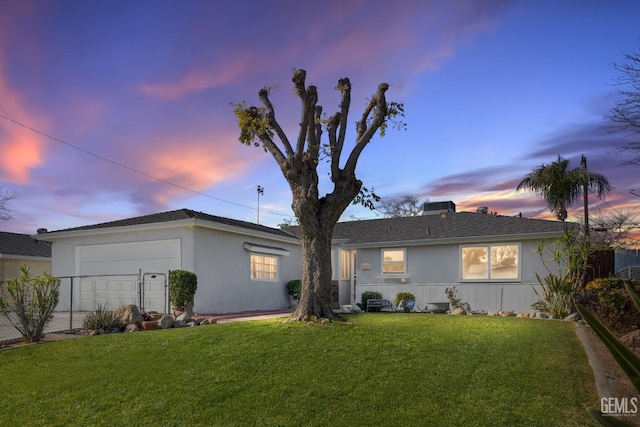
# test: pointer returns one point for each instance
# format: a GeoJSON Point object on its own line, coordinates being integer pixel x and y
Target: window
{"type": "Point", "coordinates": [393, 261]}
{"type": "Point", "coordinates": [490, 262]}
{"type": "Point", "coordinates": [264, 267]}
{"type": "Point", "coordinates": [345, 265]}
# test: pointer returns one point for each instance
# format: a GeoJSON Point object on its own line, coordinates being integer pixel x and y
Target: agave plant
{"type": "Point", "coordinates": [628, 360]}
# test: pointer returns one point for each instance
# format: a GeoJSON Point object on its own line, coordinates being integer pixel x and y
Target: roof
{"type": "Point", "coordinates": [452, 225]}
{"type": "Point", "coordinates": [177, 215]}
{"type": "Point", "coordinates": [23, 244]}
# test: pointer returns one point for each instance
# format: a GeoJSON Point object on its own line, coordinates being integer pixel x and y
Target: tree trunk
{"type": "Point", "coordinates": [315, 298]}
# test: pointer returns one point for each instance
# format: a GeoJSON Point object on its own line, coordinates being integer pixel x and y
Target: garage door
{"type": "Point", "coordinates": [110, 271]}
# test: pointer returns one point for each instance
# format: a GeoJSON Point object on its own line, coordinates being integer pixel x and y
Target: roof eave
{"type": "Point", "coordinates": [455, 240]}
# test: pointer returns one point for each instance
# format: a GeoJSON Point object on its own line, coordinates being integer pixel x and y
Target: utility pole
{"type": "Point", "coordinates": [260, 191]}
{"type": "Point", "coordinates": [585, 185]}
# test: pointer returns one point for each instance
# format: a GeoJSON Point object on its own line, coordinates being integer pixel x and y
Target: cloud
{"type": "Point", "coordinates": [22, 149]}
{"type": "Point", "coordinates": [200, 78]}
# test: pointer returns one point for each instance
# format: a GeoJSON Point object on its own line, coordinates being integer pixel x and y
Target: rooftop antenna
{"type": "Point", "coordinates": [260, 192]}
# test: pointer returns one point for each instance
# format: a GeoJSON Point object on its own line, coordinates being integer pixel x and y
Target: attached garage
{"type": "Point", "coordinates": [127, 262]}
{"type": "Point", "coordinates": [112, 275]}
{"type": "Point", "coordinates": [157, 256]}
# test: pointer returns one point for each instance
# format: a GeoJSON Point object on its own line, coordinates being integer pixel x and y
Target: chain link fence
{"type": "Point", "coordinates": [81, 295]}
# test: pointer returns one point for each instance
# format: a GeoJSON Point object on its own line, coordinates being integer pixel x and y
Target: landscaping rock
{"type": "Point", "coordinates": [458, 311]}
{"type": "Point", "coordinates": [166, 321]}
{"type": "Point", "coordinates": [205, 322]}
{"type": "Point", "coordinates": [508, 314]}
{"type": "Point", "coordinates": [573, 317]}
{"type": "Point", "coordinates": [492, 313]}
{"type": "Point", "coordinates": [179, 324]}
{"type": "Point", "coordinates": [540, 315]}
{"type": "Point", "coordinates": [355, 309]}
{"type": "Point", "coordinates": [128, 314]}
{"type": "Point", "coordinates": [525, 315]}
{"type": "Point", "coordinates": [192, 324]}
{"type": "Point", "coordinates": [131, 327]}
{"type": "Point", "coordinates": [184, 317]}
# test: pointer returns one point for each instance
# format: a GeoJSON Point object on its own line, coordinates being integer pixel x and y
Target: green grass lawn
{"type": "Point", "coordinates": [378, 369]}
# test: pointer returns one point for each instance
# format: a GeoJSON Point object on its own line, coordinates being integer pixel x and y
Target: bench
{"type": "Point", "coordinates": [378, 304]}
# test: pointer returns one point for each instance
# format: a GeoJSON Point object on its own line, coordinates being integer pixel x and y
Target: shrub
{"type": "Point", "coordinates": [101, 318]}
{"type": "Point", "coordinates": [367, 295]}
{"type": "Point", "coordinates": [406, 296]}
{"type": "Point", "coordinates": [182, 288]}
{"type": "Point", "coordinates": [557, 295]}
{"type": "Point", "coordinates": [29, 302]}
{"type": "Point", "coordinates": [455, 301]}
{"type": "Point", "coordinates": [293, 288]}
{"type": "Point", "coordinates": [609, 301]}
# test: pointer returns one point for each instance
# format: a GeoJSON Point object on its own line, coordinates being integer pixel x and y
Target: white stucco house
{"type": "Point", "coordinates": [239, 265]}
{"type": "Point", "coordinates": [242, 266]}
{"type": "Point", "coordinates": [490, 259]}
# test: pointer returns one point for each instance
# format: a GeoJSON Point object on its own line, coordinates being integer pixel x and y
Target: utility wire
{"type": "Point", "coordinates": [139, 172]}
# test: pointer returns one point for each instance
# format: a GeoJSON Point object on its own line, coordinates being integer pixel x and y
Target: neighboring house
{"type": "Point", "coordinates": [239, 265]}
{"type": "Point", "coordinates": [17, 250]}
{"type": "Point", "coordinates": [490, 259]}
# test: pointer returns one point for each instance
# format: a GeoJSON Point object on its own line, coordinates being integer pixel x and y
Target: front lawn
{"type": "Point", "coordinates": [379, 369]}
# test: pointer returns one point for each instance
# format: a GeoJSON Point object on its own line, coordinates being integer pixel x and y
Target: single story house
{"type": "Point", "coordinates": [17, 250]}
{"type": "Point", "coordinates": [239, 265]}
{"type": "Point", "coordinates": [490, 259]}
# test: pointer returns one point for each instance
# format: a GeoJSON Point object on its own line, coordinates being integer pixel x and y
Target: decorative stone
{"type": "Point", "coordinates": [525, 315]}
{"type": "Point", "coordinates": [573, 317]}
{"type": "Point", "coordinates": [458, 311]}
{"type": "Point", "coordinates": [492, 313]}
{"type": "Point", "coordinates": [131, 327]}
{"type": "Point", "coordinates": [355, 309]}
{"type": "Point", "coordinates": [552, 316]}
{"type": "Point", "coordinates": [508, 314]}
{"type": "Point", "coordinates": [205, 322]}
{"type": "Point", "coordinates": [192, 324]}
{"type": "Point", "coordinates": [128, 314]}
{"type": "Point", "coordinates": [184, 317]}
{"type": "Point", "coordinates": [166, 321]}
{"type": "Point", "coordinates": [179, 324]}
{"type": "Point", "coordinates": [150, 325]}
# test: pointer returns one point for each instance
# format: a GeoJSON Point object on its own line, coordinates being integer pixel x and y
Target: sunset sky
{"type": "Point", "coordinates": [113, 109]}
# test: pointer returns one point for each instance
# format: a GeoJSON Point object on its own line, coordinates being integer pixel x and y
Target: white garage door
{"type": "Point", "coordinates": [110, 271]}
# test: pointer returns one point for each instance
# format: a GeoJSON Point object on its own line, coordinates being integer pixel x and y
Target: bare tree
{"type": "Point", "coordinates": [400, 206]}
{"type": "Point", "coordinates": [299, 160]}
{"type": "Point", "coordinates": [6, 196]}
{"type": "Point", "coordinates": [612, 229]}
{"type": "Point", "coordinates": [624, 117]}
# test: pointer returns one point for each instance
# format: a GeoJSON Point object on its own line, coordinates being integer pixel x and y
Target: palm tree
{"type": "Point", "coordinates": [561, 187]}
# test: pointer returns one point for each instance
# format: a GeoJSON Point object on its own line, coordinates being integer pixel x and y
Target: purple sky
{"type": "Point", "coordinates": [136, 96]}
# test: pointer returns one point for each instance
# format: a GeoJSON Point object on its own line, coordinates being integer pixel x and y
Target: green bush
{"type": "Point", "coordinates": [406, 296]}
{"type": "Point", "coordinates": [182, 288]}
{"type": "Point", "coordinates": [101, 318]}
{"type": "Point", "coordinates": [367, 295]}
{"type": "Point", "coordinates": [28, 302]}
{"type": "Point", "coordinates": [557, 295]}
{"type": "Point", "coordinates": [293, 288]}
{"type": "Point", "coordinates": [609, 301]}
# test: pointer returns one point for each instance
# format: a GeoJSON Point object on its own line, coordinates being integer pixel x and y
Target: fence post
{"type": "Point", "coordinates": [71, 306]}
{"type": "Point", "coordinates": [140, 286]}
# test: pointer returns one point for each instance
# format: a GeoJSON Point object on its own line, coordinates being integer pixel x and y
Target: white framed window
{"type": "Point", "coordinates": [394, 261]}
{"type": "Point", "coordinates": [345, 265]}
{"type": "Point", "coordinates": [264, 267]}
{"type": "Point", "coordinates": [493, 262]}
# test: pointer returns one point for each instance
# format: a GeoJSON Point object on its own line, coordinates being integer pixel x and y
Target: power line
{"type": "Point", "coordinates": [139, 172]}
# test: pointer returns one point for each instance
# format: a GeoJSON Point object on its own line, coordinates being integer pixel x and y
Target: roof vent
{"type": "Point", "coordinates": [483, 210]}
{"type": "Point", "coordinates": [42, 230]}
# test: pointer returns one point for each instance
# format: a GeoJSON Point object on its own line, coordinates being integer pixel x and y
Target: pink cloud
{"type": "Point", "coordinates": [200, 78]}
